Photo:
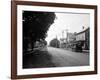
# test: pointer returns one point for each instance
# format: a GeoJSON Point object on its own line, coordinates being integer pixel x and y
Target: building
{"type": "Point", "coordinates": [62, 42]}
{"type": "Point", "coordinates": [71, 37]}
{"type": "Point", "coordinates": [66, 42]}
{"type": "Point", "coordinates": [76, 41]}
{"type": "Point", "coordinates": [83, 38]}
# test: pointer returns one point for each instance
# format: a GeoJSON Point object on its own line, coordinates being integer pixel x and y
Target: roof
{"type": "Point", "coordinates": [82, 31]}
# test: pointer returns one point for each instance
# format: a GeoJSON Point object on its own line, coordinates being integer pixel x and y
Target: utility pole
{"type": "Point", "coordinates": [66, 35]}
{"type": "Point", "coordinates": [56, 41]}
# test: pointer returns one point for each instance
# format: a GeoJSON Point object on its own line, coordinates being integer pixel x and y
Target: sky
{"type": "Point", "coordinates": [72, 22]}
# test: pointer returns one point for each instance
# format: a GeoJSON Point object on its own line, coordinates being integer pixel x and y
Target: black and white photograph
{"type": "Point", "coordinates": [53, 39]}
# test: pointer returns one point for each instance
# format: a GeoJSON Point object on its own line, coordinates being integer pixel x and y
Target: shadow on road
{"type": "Point", "coordinates": [38, 59]}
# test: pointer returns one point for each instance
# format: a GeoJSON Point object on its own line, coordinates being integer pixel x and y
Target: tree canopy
{"type": "Point", "coordinates": [55, 43]}
{"type": "Point", "coordinates": [36, 25]}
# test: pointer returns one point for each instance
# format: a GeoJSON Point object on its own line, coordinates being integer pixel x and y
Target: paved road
{"type": "Point", "coordinates": [62, 57]}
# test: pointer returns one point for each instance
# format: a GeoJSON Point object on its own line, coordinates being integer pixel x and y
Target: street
{"type": "Point", "coordinates": [55, 57]}
{"type": "Point", "coordinates": [62, 57]}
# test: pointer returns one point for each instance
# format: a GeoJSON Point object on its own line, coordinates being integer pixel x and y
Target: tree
{"type": "Point", "coordinates": [35, 26]}
{"type": "Point", "coordinates": [55, 43]}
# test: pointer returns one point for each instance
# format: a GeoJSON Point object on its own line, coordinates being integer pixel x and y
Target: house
{"type": "Point", "coordinates": [83, 38]}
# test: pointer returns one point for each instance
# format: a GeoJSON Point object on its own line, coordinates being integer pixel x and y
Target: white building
{"type": "Point", "coordinates": [80, 36]}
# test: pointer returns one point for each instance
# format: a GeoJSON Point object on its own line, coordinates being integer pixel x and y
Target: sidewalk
{"type": "Point", "coordinates": [85, 51]}
{"type": "Point", "coordinates": [38, 59]}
